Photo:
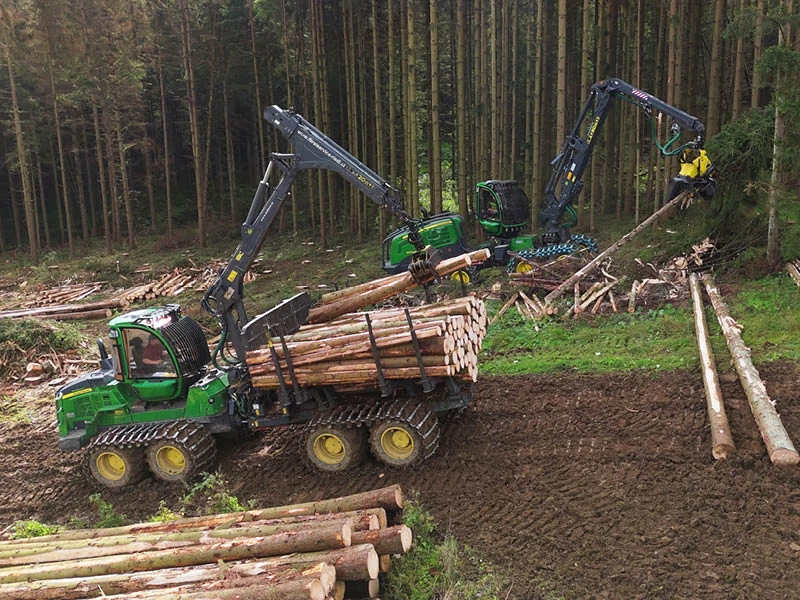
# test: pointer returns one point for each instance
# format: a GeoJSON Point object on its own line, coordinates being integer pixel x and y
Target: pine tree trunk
{"type": "Point", "coordinates": [61, 159]}
{"type": "Point", "coordinates": [773, 232]}
{"type": "Point", "coordinates": [30, 209]}
{"type": "Point", "coordinates": [377, 98]}
{"type": "Point", "coordinates": [436, 149]}
{"type": "Point", "coordinates": [191, 100]}
{"type": "Point", "coordinates": [126, 194]}
{"type": "Point", "coordinates": [413, 173]}
{"type": "Point", "coordinates": [561, 110]}
{"type": "Point", "coordinates": [461, 109]}
{"type": "Point", "coordinates": [116, 220]}
{"type": "Point", "coordinates": [43, 200]}
{"type": "Point", "coordinates": [148, 182]}
{"type": "Point", "coordinates": [758, 45]}
{"type": "Point", "coordinates": [12, 197]}
{"type": "Point", "coordinates": [738, 71]}
{"type": "Point", "coordinates": [715, 74]}
{"type": "Point", "coordinates": [89, 187]}
{"type": "Point", "coordinates": [251, 21]}
{"type": "Point", "coordinates": [392, 77]}
{"type": "Point", "coordinates": [538, 116]}
{"type": "Point", "coordinates": [76, 154]}
{"type": "Point", "coordinates": [230, 158]}
{"type": "Point", "coordinates": [102, 176]}
{"type": "Point", "coordinates": [165, 135]}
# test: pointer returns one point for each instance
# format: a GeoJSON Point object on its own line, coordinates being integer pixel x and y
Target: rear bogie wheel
{"type": "Point", "coordinates": [335, 448]}
{"type": "Point", "coordinates": [181, 453]}
{"type": "Point", "coordinates": [407, 436]}
{"type": "Point", "coordinates": [115, 467]}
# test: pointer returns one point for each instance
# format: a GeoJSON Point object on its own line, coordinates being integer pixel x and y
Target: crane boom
{"type": "Point", "coordinates": [566, 180]}
{"type": "Point", "coordinates": [312, 149]}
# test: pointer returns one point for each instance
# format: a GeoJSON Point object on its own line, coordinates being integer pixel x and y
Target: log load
{"type": "Point", "coordinates": [293, 552]}
{"type": "Point", "coordinates": [340, 352]}
{"type": "Point", "coordinates": [779, 446]}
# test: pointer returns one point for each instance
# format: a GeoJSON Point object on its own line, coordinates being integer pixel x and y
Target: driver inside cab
{"type": "Point", "coordinates": [153, 355]}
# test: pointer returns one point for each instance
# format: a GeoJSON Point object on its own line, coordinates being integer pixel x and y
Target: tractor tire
{"type": "Point", "coordinates": [405, 437]}
{"type": "Point", "coordinates": [180, 452]}
{"type": "Point", "coordinates": [115, 467]}
{"type": "Point", "coordinates": [335, 448]}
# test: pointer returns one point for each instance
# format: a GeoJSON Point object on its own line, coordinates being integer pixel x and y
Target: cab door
{"type": "Point", "coordinates": [152, 380]}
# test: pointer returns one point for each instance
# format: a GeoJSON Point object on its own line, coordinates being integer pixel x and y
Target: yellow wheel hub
{"type": "Point", "coordinates": [397, 443]}
{"type": "Point", "coordinates": [460, 276]}
{"type": "Point", "coordinates": [523, 267]}
{"type": "Point", "coordinates": [171, 460]}
{"type": "Point", "coordinates": [111, 466]}
{"type": "Point", "coordinates": [329, 449]}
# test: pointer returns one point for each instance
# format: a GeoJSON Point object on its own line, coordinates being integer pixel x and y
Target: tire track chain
{"type": "Point", "coordinates": [415, 415]}
{"type": "Point", "coordinates": [192, 436]}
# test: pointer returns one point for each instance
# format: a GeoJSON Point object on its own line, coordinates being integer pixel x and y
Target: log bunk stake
{"type": "Point", "coordinates": [317, 550]}
{"type": "Point", "coordinates": [779, 446]}
{"type": "Point", "coordinates": [721, 440]}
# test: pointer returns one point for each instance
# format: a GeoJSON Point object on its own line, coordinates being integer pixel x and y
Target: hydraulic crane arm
{"type": "Point", "coordinates": [312, 149]}
{"type": "Point", "coordinates": [566, 180]}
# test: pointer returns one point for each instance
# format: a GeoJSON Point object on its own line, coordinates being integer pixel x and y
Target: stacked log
{"type": "Point", "coordinates": [65, 294]}
{"type": "Point", "coordinates": [315, 550]}
{"type": "Point", "coordinates": [340, 352]}
{"type": "Point", "coordinates": [354, 298]}
{"type": "Point", "coordinates": [793, 268]}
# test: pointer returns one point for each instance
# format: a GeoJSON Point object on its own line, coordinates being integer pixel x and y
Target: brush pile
{"type": "Point", "coordinates": [318, 550]}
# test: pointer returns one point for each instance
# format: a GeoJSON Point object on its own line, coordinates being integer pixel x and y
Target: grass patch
{"type": "Point", "coordinates": [32, 529]}
{"type": "Point", "coordinates": [107, 514]}
{"type": "Point", "coordinates": [14, 411]}
{"type": "Point", "coordinates": [662, 339]}
{"type": "Point", "coordinates": [210, 496]}
{"type": "Point", "coordinates": [437, 567]}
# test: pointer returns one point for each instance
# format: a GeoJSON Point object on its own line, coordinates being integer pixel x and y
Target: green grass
{"type": "Point", "coordinates": [32, 529]}
{"type": "Point", "coordinates": [663, 339]}
{"type": "Point", "coordinates": [439, 567]}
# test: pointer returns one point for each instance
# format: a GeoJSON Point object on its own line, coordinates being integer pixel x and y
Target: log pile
{"type": "Point", "coordinates": [318, 550]}
{"type": "Point", "coordinates": [341, 353]}
{"type": "Point", "coordinates": [65, 294]}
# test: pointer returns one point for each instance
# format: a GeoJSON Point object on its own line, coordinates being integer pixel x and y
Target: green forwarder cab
{"type": "Point", "coordinates": [177, 400]}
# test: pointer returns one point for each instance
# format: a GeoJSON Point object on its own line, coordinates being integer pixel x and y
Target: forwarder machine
{"type": "Point", "coordinates": [162, 396]}
{"type": "Point", "coordinates": [503, 208]}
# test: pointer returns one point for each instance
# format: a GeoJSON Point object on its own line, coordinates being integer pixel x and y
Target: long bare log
{"type": "Point", "coordinates": [326, 312]}
{"type": "Point", "coordinates": [794, 273]}
{"type": "Point", "coordinates": [779, 446]}
{"type": "Point", "coordinates": [721, 440]}
{"type": "Point", "coordinates": [388, 498]}
{"type": "Point", "coordinates": [146, 542]}
{"type": "Point", "coordinates": [336, 535]}
{"type": "Point", "coordinates": [299, 588]}
{"type": "Point", "coordinates": [355, 563]}
{"type": "Point", "coordinates": [598, 260]}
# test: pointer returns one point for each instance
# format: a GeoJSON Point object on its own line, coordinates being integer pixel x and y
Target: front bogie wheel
{"type": "Point", "coordinates": [115, 467]}
{"type": "Point", "coordinates": [335, 448]}
{"type": "Point", "coordinates": [406, 437]}
{"type": "Point", "coordinates": [181, 453]}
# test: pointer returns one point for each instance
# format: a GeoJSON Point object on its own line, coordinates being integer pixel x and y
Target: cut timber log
{"type": "Point", "coordinates": [301, 541]}
{"type": "Point", "coordinates": [387, 498]}
{"type": "Point", "coordinates": [128, 583]}
{"type": "Point", "coordinates": [598, 260]}
{"type": "Point", "coordinates": [393, 540]}
{"type": "Point", "coordinates": [144, 542]}
{"type": "Point", "coordinates": [356, 563]}
{"type": "Point", "coordinates": [505, 307]}
{"type": "Point", "coordinates": [404, 281]}
{"type": "Point", "coordinates": [721, 440]}
{"type": "Point", "coordinates": [780, 448]}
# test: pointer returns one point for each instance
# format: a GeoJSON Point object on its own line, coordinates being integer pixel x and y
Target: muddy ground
{"type": "Point", "coordinates": [583, 486]}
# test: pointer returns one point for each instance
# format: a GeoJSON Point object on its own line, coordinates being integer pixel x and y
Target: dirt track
{"type": "Point", "coordinates": [586, 486]}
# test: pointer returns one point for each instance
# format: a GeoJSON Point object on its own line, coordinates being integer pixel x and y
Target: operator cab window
{"type": "Point", "coordinates": [147, 357]}
{"type": "Point", "coordinates": [489, 208]}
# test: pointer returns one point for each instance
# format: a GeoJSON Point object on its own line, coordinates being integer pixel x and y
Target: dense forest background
{"type": "Point", "coordinates": [125, 117]}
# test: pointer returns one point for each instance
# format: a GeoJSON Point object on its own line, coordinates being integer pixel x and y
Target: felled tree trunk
{"type": "Point", "coordinates": [780, 448]}
{"type": "Point", "coordinates": [721, 440]}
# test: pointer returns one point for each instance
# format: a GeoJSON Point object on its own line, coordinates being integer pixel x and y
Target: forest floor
{"type": "Point", "coordinates": [575, 485]}
{"type": "Point", "coordinates": [585, 474]}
